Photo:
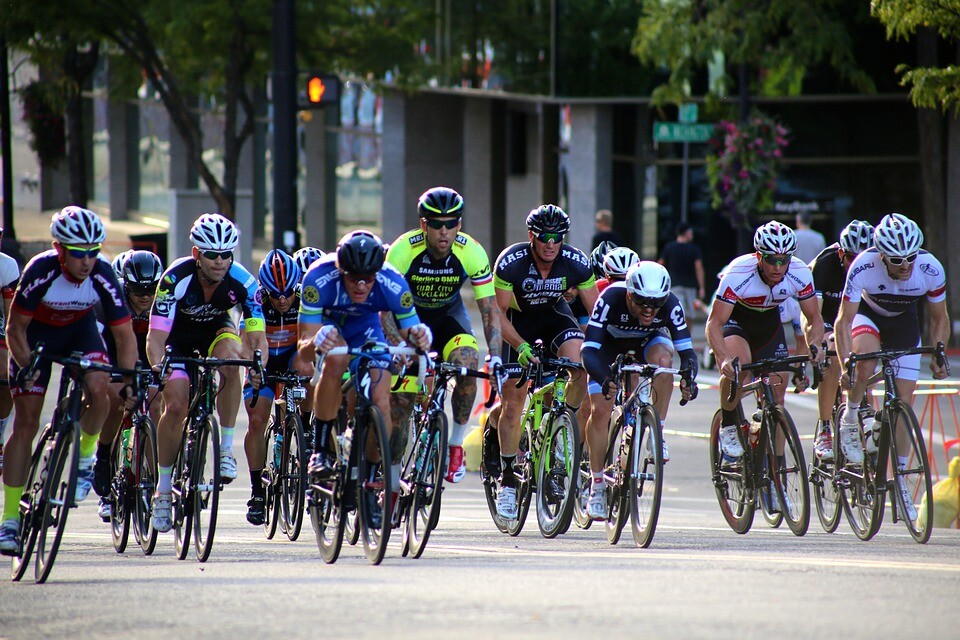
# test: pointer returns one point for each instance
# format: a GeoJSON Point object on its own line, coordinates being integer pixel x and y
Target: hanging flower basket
{"type": "Point", "coordinates": [47, 132]}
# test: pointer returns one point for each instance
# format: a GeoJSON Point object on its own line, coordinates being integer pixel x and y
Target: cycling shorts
{"type": "Point", "coordinates": [80, 336]}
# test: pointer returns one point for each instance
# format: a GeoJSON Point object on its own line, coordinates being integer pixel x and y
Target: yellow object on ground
{"type": "Point", "coordinates": [471, 448]}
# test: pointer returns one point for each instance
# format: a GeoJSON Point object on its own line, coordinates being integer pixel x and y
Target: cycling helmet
{"type": "Point", "coordinates": [360, 253]}
{"type": "Point", "coordinates": [598, 254]}
{"type": "Point", "coordinates": [649, 283]}
{"type": "Point", "coordinates": [775, 237]}
{"type": "Point", "coordinates": [440, 202]}
{"type": "Point", "coordinates": [856, 237]}
{"type": "Point", "coordinates": [306, 257]}
{"type": "Point", "coordinates": [118, 261]}
{"type": "Point", "coordinates": [897, 236]}
{"type": "Point", "coordinates": [548, 218]}
{"type": "Point", "coordinates": [76, 225]}
{"type": "Point", "coordinates": [213, 232]}
{"type": "Point", "coordinates": [279, 273]}
{"type": "Point", "coordinates": [142, 270]}
{"type": "Point", "coordinates": [618, 263]}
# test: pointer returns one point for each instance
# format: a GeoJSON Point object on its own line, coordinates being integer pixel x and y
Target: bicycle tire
{"type": "Point", "coordinates": [646, 481]}
{"type": "Point", "coordinates": [790, 474]}
{"type": "Point", "coordinates": [30, 505]}
{"type": "Point", "coordinates": [374, 490]}
{"type": "Point", "coordinates": [59, 497]}
{"type": "Point", "coordinates": [119, 497]}
{"type": "Point", "coordinates": [206, 483]}
{"type": "Point", "coordinates": [427, 488]}
{"type": "Point", "coordinates": [736, 499]}
{"type": "Point", "coordinates": [491, 487]}
{"type": "Point", "coordinates": [826, 498]}
{"type": "Point", "coordinates": [615, 474]}
{"type": "Point", "coordinates": [853, 482]}
{"type": "Point", "coordinates": [559, 457]}
{"type": "Point", "coordinates": [523, 471]}
{"type": "Point", "coordinates": [764, 501]}
{"type": "Point", "coordinates": [915, 475]}
{"type": "Point", "coordinates": [182, 501]}
{"type": "Point", "coordinates": [324, 503]}
{"type": "Point", "coordinates": [293, 476]}
{"type": "Point", "coordinates": [145, 480]}
{"type": "Point", "coordinates": [580, 517]}
{"type": "Point", "coordinates": [268, 479]}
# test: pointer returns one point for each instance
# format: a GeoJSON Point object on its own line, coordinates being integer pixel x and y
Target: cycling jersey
{"type": "Point", "coordinates": [790, 314]}
{"type": "Point", "coordinates": [180, 305]}
{"type": "Point", "coordinates": [281, 328]}
{"type": "Point", "coordinates": [435, 283]}
{"type": "Point", "coordinates": [516, 272]}
{"type": "Point", "coordinates": [885, 297]}
{"type": "Point", "coordinates": [9, 278]}
{"type": "Point", "coordinates": [612, 329]}
{"type": "Point", "coordinates": [829, 278]}
{"type": "Point", "coordinates": [742, 285]}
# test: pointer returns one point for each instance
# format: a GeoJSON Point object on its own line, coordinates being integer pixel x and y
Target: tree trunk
{"type": "Point", "coordinates": [78, 66]}
{"type": "Point", "coordinates": [930, 125]}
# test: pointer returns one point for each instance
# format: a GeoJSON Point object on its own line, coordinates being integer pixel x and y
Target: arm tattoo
{"type": "Point", "coordinates": [390, 328]}
{"type": "Point", "coordinates": [490, 315]}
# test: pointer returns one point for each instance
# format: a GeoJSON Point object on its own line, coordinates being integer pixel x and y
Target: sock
{"type": "Point", "coordinates": [88, 444]}
{"type": "Point", "coordinates": [306, 417]}
{"type": "Point", "coordinates": [11, 502]}
{"type": "Point", "coordinates": [3, 427]}
{"type": "Point", "coordinates": [165, 481]}
{"type": "Point", "coordinates": [507, 478]}
{"type": "Point", "coordinates": [457, 433]}
{"type": "Point", "coordinates": [322, 434]}
{"type": "Point", "coordinates": [103, 450]}
{"type": "Point", "coordinates": [226, 439]}
{"type": "Point", "coordinates": [597, 476]}
{"type": "Point", "coordinates": [571, 407]}
{"type": "Point", "coordinates": [256, 486]}
{"type": "Point", "coordinates": [728, 418]}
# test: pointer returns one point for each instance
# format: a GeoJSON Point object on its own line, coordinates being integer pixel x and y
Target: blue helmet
{"type": "Point", "coordinates": [279, 273]}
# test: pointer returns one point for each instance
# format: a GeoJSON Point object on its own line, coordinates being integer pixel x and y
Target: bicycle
{"type": "Point", "coordinates": [863, 487]}
{"type": "Point", "coordinates": [50, 488]}
{"type": "Point", "coordinates": [761, 473]}
{"type": "Point", "coordinates": [360, 475]}
{"type": "Point", "coordinates": [826, 497]}
{"type": "Point", "coordinates": [421, 480]}
{"type": "Point", "coordinates": [196, 470]}
{"type": "Point", "coordinates": [285, 474]}
{"type": "Point", "coordinates": [548, 457]}
{"type": "Point", "coordinates": [633, 478]}
{"type": "Point", "coordinates": [133, 460]}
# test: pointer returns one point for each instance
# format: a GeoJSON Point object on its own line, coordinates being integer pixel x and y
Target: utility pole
{"type": "Point", "coordinates": [284, 94]}
{"type": "Point", "coordinates": [5, 150]}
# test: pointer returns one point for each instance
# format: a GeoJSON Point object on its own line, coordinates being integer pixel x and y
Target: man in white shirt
{"type": "Point", "coordinates": [809, 242]}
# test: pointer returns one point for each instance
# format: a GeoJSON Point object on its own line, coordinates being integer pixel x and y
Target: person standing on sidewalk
{"type": "Point", "coordinates": [809, 242]}
{"type": "Point", "coordinates": [684, 262]}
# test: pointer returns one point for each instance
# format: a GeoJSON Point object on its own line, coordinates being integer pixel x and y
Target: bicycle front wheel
{"type": "Point", "coordinates": [858, 495]}
{"type": "Point", "coordinates": [736, 499]}
{"type": "Point", "coordinates": [145, 481]}
{"type": "Point", "coordinates": [523, 471]}
{"type": "Point", "coordinates": [490, 471]}
{"type": "Point", "coordinates": [645, 484]}
{"type": "Point", "coordinates": [615, 474]}
{"type": "Point", "coordinates": [59, 495]}
{"type": "Point", "coordinates": [557, 473]}
{"type": "Point", "coordinates": [293, 476]}
{"type": "Point", "coordinates": [912, 487]}
{"type": "Point", "coordinates": [582, 493]}
{"type": "Point", "coordinates": [268, 478]}
{"type": "Point", "coordinates": [206, 486]}
{"type": "Point", "coordinates": [373, 483]}
{"type": "Point", "coordinates": [430, 457]}
{"type": "Point", "coordinates": [326, 513]}
{"type": "Point", "coordinates": [790, 472]}
{"type": "Point", "coordinates": [183, 496]}
{"type": "Point", "coordinates": [31, 504]}
{"type": "Point", "coordinates": [120, 491]}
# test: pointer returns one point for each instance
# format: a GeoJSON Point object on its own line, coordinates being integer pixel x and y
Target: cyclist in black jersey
{"type": "Point", "coordinates": [531, 278]}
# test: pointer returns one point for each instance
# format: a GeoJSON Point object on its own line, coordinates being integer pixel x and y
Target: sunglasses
{"type": "Point", "coordinates": [82, 252]}
{"type": "Point", "coordinates": [896, 262]}
{"type": "Point", "coordinates": [442, 224]}
{"type": "Point", "coordinates": [213, 255]}
{"type": "Point", "coordinates": [555, 238]}
{"type": "Point", "coordinates": [776, 260]}
{"type": "Point", "coordinates": [648, 303]}
{"type": "Point", "coordinates": [140, 291]}
{"type": "Point", "coordinates": [367, 280]}
{"type": "Point", "coordinates": [281, 296]}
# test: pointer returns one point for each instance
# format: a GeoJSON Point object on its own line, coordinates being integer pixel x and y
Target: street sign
{"type": "Point", "coordinates": [688, 112]}
{"type": "Point", "coordinates": [682, 131]}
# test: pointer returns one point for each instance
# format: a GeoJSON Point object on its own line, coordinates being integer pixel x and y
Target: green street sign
{"type": "Point", "coordinates": [682, 132]}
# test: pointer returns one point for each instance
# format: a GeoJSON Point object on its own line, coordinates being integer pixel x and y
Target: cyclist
{"type": "Point", "coordinates": [53, 304]}
{"type": "Point", "coordinates": [340, 304]}
{"type": "Point", "coordinates": [616, 264]}
{"type": "Point", "coordinates": [597, 256]}
{"type": "Point", "coordinates": [305, 257]}
{"type": "Point", "coordinates": [642, 315]}
{"type": "Point", "coordinates": [279, 290]}
{"type": "Point", "coordinates": [530, 279]}
{"type": "Point", "coordinates": [436, 260]}
{"type": "Point", "coordinates": [744, 320]}
{"type": "Point", "coordinates": [192, 312]}
{"type": "Point", "coordinates": [139, 273]}
{"type": "Point", "coordinates": [890, 279]}
{"type": "Point", "coordinates": [9, 278]}
{"type": "Point", "coordinates": [829, 277]}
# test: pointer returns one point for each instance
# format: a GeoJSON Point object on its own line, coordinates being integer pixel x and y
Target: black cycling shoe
{"type": "Point", "coordinates": [101, 476]}
{"type": "Point", "coordinates": [256, 510]}
{"type": "Point", "coordinates": [321, 465]}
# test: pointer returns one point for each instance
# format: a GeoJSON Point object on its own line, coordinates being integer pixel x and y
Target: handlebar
{"type": "Point", "coordinates": [939, 352]}
{"type": "Point", "coordinates": [375, 349]}
{"type": "Point", "coordinates": [254, 363]}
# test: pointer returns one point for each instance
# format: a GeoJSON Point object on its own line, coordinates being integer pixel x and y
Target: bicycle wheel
{"type": "Point", "coordinates": [790, 472]}
{"type": "Point", "coordinates": [736, 499]}
{"type": "Point", "coordinates": [856, 485]}
{"type": "Point", "coordinates": [268, 478]}
{"type": "Point", "coordinates": [615, 473]}
{"type": "Point", "coordinates": [580, 517]}
{"type": "Point", "coordinates": [765, 496]}
{"type": "Point", "coordinates": [293, 476]}
{"type": "Point", "coordinates": [205, 473]}
{"type": "Point", "coordinates": [145, 483]}
{"type": "Point", "coordinates": [915, 506]}
{"type": "Point", "coordinates": [523, 470]}
{"type": "Point", "coordinates": [557, 470]}
{"type": "Point", "coordinates": [826, 498]}
{"type": "Point", "coordinates": [30, 504]}
{"type": "Point", "coordinates": [119, 497]}
{"type": "Point", "coordinates": [646, 480]}
{"type": "Point", "coordinates": [183, 496]}
{"type": "Point", "coordinates": [373, 483]}
{"type": "Point", "coordinates": [490, 472]}
{"type": "Point", "coordinates": [59, 495]}
{"type": "Point", "coordinates": [427, 487]}
{"type": "Point", "coordinates": [325, 498]}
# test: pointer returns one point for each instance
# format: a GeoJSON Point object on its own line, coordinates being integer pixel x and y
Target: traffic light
{"type": "Point", "coordinates": [320, 89]}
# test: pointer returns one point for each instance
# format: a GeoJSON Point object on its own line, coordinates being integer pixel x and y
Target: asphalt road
{"type": "Point", "coordinates": [697, 580]}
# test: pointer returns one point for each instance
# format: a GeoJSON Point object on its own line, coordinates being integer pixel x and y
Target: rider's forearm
{"type": "Point", "coordinates": [492, 326]}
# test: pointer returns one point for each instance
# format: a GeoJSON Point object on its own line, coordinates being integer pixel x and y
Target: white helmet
{"type": "Point", "coordinates": [650, 282]}
{"type": "Point", "coordinates": [213, 232]}
{"type": "Point", "coordinates": [775, 237]}
{"type": "Point", "coordinates": [897, 236]}
{"type": "Point", "coordinates": [76, 225]}
{"type": "Point", "coordinates": [856, 236]}
{"type": "Point", "coordinates": [618, 261]}
{"type": "Point", "coordinates": [118, 261]}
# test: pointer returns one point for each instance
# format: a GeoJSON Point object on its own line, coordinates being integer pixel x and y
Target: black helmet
{"type": "Point", "coordinates": [598, 254]}
{"type": "Point", "coordinates": [548, 218]}
{"type": "Point", "coordinates": [142, 270]}
{"type": "Point", "coordinates": [440, 202]}
{"type": "Point", "coordinates": [360, 253]}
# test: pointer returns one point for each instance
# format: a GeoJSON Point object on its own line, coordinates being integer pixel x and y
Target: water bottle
{"type": "Point", "coordinates": [278, 450]}
{"type": "Point", "coordinates": [753, 434]}
{"type": "Point", "coordinates": [346, 440]}
{"type": "Point", "coordinates": [127, 448]}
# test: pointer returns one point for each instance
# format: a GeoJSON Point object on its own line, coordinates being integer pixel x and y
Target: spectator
{"type": "Point", "coordinates": [684, 262]}
{"type": "Point", "coordinates": [603, 227]}
{"type": "Point", "coordinates": [809, 242]}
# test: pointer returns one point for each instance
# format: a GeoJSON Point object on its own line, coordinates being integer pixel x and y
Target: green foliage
{"type": "Point", "coordinates": [45, 121]}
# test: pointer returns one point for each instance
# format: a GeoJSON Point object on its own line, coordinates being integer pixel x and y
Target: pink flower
{"type": "Point", "coordinates": [744, 174]}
